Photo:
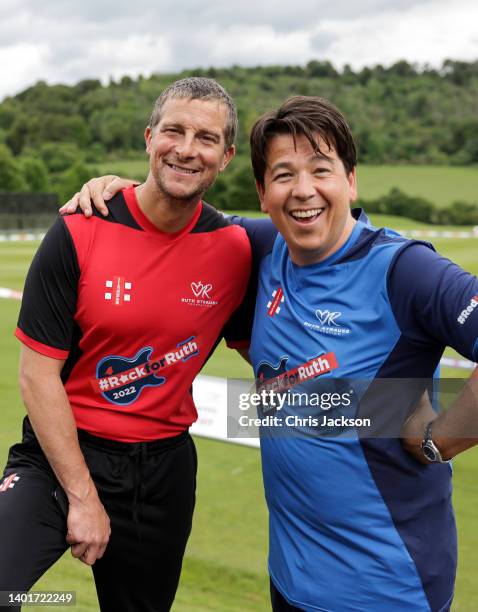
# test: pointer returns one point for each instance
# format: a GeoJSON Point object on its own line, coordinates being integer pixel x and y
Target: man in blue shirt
{"type": "Point", "coordinates": [357, 521]}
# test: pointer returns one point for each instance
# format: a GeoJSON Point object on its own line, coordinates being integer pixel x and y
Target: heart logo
{"type": "Point", "coordinates": [327, 318]}
{"type": "Point", "coordinates": [197, 288]}
{"type": "Point", "coordinates": [322, 315]}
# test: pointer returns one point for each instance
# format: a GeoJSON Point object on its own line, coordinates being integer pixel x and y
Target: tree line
{"type": "Point", "coordinates": [51, 136]}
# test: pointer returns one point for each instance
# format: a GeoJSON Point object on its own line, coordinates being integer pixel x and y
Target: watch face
{"type": "Point", "coordinates": [429, 453]}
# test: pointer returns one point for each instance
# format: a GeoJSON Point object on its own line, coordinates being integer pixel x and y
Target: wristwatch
{"type": "Point", "coordinates": [429, 448]}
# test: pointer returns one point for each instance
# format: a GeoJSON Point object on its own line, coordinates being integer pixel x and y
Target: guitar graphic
{"type": "Point", "coordinates": [121, 380]}
{"type": "Point", "coordinates": [266, 371]}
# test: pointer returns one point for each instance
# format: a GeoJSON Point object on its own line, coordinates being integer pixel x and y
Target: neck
{"type": "Point", "coordinates": [168, 214]}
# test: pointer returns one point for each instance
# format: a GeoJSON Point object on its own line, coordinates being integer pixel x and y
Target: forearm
{"type": "Point", "coordinates": [47, 404]}
{"type": "Point", "coordinates": [456, 429]}
{"type": "Point", "coordinates": [88, 525]}
{"type": "Point", "coordinates": [50, 414]}
{"type": "Point", "coordinates": [453, 431]}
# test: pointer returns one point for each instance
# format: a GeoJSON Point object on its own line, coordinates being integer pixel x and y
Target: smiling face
{"type": "Point", "coordinates": [187, 147]}
{"type": "Point", "coordinates": [307, 195]}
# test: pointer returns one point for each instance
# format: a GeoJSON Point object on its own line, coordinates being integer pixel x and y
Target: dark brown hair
{"type": "Point", "coordinates": [307, 115]}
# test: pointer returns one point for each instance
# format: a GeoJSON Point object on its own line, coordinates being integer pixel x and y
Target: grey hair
{"type": "Point", "coordinates": [199, 88]}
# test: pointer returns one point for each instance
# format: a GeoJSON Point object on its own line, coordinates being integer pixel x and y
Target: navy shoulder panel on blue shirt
{"type": "Point", "coordinates": [434, 301]}
{"type": "Point", "coordinates": [262, 234]}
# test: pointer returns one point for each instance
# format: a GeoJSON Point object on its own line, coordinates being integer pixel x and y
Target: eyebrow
{"type": "Point", "coordinates": [323, 156]}
{"type": "Point", "coordinates": [215, 135]}
{"type": "Point", "coordinates": [171, 125]}
{"type": "Point", "coordinates": [315, 157]}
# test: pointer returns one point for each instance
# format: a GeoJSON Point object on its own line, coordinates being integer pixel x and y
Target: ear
{"type": "Point", "coordinates": [261, 193]}
{"type": "Point", "coordinates": [352, 180]}
{"type": "Point", "coordinates": [228, 155]}
{"type": "Point", "coordinates": [148, 133]}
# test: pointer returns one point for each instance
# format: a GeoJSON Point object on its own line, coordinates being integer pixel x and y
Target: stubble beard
{"type": "Point", "coordinates": [187, 199]}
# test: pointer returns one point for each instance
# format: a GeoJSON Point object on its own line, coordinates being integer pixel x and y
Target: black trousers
{"type": "Point", "coordinates": [279, 603]}
{"type": "Point", "coordinates": [148, 490]}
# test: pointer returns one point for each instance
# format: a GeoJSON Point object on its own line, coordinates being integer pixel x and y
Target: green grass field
{"type": "Point", "coordinates": [440, 185]}
{"type": "Point", "coordinates": [225, 566]}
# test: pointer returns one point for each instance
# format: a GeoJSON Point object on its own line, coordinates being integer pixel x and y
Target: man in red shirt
{"type": "Point", "coordinates": [119, 314]}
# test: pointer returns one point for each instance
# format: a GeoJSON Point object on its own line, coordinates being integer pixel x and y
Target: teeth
{"type": "Point", "coordinates": [305, 214]}
{"type": "Point", "coordinates": [179, 169]}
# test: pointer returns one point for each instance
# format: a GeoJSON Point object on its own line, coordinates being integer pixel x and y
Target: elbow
{"type": "Point", "coordinates": [28, 379]}
{"type": "Point", "coordinates": [25, 381]}
{"type": "Point", "coordinates": [37, 374]}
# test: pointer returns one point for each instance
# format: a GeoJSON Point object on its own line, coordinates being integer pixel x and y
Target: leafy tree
{"type": "Point", "coordinates": [242, 193]}
{"type": "Point", "coordinates": [35, 174]}
{"type": "Point", "coordinates": [11, 175]}
{"type": "Point", "coordinates": [59, 156]}
{"type": "Point", "coordinates": [72, 180]}
{"type": "Point", "coordinates": [463, 213]}
{"type": "Point", "coordinates": [321, 69]}
{"type": "Point", "coordinates": [87, 85]}
{"type": "Point", "coordinates": [8, 113]}
{"type": "Point", "coordinates": [398, 203]}
{"type": "Point", "coordinates": [17, 135]}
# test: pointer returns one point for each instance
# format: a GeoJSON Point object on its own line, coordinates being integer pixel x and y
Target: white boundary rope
{"type": "Point", "coordinates": [439, 234]}
{"type": "Point", "coordinates": [10, 294]}
{"type": "Point", "coordinates": [22, 237]}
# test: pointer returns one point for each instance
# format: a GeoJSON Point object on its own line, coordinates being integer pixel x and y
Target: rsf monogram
{"type": "Point", "coordinates": [202, 295]}
{"type": "Point", "coordinates": [328, 323]}
{"type": "Point", "coordinates": [200, 290]}
{"type": "Point", "coordinates": [327, 318]}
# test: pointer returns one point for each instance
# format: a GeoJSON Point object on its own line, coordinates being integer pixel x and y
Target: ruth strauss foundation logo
{"type": "Point", "coordinates": [201, 291]}
{"type": "Point", "coordinates": [202, 295]}
{"type": "Point", "coordinates": [328, 323]}
{"type": "Point", "coordinates": [328, 318]}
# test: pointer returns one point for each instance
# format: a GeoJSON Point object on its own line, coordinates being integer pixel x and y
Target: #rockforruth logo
{"type": "Point", "coordinates": [120, 380]}
{"type": "Point", "coordinates": [279, 378]}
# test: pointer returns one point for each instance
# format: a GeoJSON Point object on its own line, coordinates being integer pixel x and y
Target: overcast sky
{"type": "Point", "coordinates": [66, 41]}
